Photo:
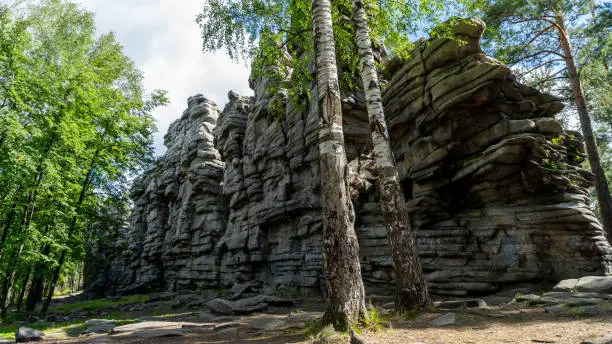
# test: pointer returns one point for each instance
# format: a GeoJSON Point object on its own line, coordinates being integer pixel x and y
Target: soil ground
{"type": "Point", "coordinates": [502, 321]}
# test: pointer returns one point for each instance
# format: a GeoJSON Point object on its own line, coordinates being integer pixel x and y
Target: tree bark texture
{"type": "Point", "coordinates": [601, 184]}
{"type": "Point", "coordinates": [35, 293]}
{"type": "Point", "coordinates": [411, 289]}
{"type": "Point", "coordinates": [24, 285]}
{"type": "Point", "coordinates": [340, 246]}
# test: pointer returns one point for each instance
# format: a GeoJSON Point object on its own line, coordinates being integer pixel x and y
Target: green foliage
{"type": "Point", "coordinates": [97, 304]}
{"type": "Point", "coordinates": [551, 164]}
{"type": "Point", "coordinates": [327, 334]}
{"type": "Point", "coordinates": [375, 320]}
{"type": "Point", "coordinates": [313, 328]}
{"type": "Point", "coordinates": [276, 37]}
{"type": "Point", "coordinates": [525, 35]}
{"type": "Point", "coordinates": [74, 122]}
{"type": "Point", "coordinates": [71, 328]}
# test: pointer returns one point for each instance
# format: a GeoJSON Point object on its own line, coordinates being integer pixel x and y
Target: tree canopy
{"type": "Point", "coordinates": [74, 124]}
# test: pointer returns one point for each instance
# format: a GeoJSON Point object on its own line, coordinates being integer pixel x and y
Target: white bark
{"type": "Point", "coordinates": [340, 246]}
{"type": "Point", "coordinates": [411, 289]}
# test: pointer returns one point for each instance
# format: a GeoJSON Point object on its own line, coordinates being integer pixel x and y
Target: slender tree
{"type": "Point", "coordinates": [340, 246]}
{"type": "Point", "coordinates": [73, 121]}
{"type": "Point", "coordinates": [411, 289]}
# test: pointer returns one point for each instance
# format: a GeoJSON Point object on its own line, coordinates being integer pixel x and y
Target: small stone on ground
{"type": "Point", "coordinates": [221, 306]}
{"type": "Point", "coordinates": [157, 333]}
{"type": "Point", "coordinates": [267, 323]}
{"type": "Point", "coordinates": [599, 284]}
{"type": "Point", "coordinates": [147, 325]}
{"type": "Point", "coordinates": [103, 328]}
{"type": "Point", "coordinates": [26, 334]}
{"type": "Point", "coordinates": [445, 320]}
{"type": "Point", "coordinates": [602, 340]}
{"type": "Point", "coordinates": [99, 321]}
{"type": "Point", "coordinates": [566, 285]}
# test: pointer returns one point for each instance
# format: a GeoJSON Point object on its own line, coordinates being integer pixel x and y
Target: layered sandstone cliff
{"type": "Point", "coordinates": [493, 182]}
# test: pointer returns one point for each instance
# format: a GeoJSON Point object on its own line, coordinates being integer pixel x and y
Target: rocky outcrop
{"type": "Point", "coordinates": [495, 187]}
{"type": "Point", "coordinates": [493, 183]}
{"type": "Point", "coordinates": [179, 213]}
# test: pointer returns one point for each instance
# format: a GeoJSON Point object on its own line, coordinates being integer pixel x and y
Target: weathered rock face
{"type": "Point", "coordinates": [493, 183]}
{"type": "Point", "coordinates": [271, 183]}
{"type": "Point", "coordinates": [178, 216]}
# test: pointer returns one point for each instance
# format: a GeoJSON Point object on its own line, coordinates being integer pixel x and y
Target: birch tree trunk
{"type": "Point", "coordinates": [601, 184]}
{"type": "Point", "coordinates": [410, 287]}
{"type": "Point", "coordinates": [340, 247]}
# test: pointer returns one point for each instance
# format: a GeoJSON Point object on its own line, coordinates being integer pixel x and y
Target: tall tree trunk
{"type": "Point", "coordinates": [35, 292]}
{"type": "Point", "coordinates": [9, 220]}
{"type": "Point", "coordinates": [24, 286]}
{"type": "Point", "coordinates": [71, 228]}
{"type": "Point", "coordinates": [340, 246]}
{"type": "Point", "coordinates": [601, 184]}
{"type": "Point", "coordinates": [410, 288]}
{"type": "Point", "coordinates": [4, 289]}
{"type": "Point", "coordinates": [16, 256]}
{"type": "Point", "coordinates": [7, 283]}
{"type": "Point", "coordinates": [7, 226]}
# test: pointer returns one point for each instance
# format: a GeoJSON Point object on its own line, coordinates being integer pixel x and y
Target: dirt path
{"type": "Point", "coordinates": [553, 318]}
{"type": "Point", "coordinates": [502, 323]}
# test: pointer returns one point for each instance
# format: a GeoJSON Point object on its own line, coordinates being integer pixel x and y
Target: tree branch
{"type": "Point", "coordinates": [535, 37]}
{"type": "Point", "coordinates": [540, 66]}
{"type": "Point", "coordinates": [537, 53]}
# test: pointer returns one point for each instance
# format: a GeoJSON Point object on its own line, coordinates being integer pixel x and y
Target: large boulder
{"type": "Point", "coordinates": [26, 334]}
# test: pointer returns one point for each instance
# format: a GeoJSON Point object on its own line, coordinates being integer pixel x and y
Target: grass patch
{"type": "Point", "coordinates": [327, 334]}
{"type": "Point", "coordinates": [375, 322]}
{"type": "Point", "coordinates": [70, 328]}
{"type": "Point", "coordinates": [313, 328]}
{"type": "Point", "coordinates": [95, 304]}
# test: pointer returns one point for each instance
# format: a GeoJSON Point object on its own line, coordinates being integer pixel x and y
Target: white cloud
{"type": "Point", "coordinates": [164, 40]}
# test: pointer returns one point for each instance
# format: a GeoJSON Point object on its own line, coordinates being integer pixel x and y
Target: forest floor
{"type": "Point", "coordinates": [507, 318]}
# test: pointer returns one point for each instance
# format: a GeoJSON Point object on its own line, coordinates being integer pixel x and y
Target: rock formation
{"type": "Point", "coordinates": [493, 182]}
{"type": "Point", "coordinates": [178, 215]}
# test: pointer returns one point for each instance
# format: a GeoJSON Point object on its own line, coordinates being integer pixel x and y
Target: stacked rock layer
{"type": "Point", "coordinates": [493, 182]}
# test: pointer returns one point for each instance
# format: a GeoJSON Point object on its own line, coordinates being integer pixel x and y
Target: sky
{"type": "Point", "coordinates": [164, 40]}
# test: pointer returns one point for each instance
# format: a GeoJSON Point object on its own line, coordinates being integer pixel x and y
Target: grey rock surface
{"type": "Point", "coordinates": [100, 328]}
{"type": "Point", "coordinates": [495, 191]}
{"type": "Point", "coordinates": [607, 339]}
{"type": "Point", "coordinates": [99, 321]}
{"type": "Point", "coordinates": [445, 320]}
{"type": "Point", "coordinates": [267, 323]}
{"type": "Point", "coordinates": [26, 335]}
{"type": "Point", "coordinates": [221, 306]}
{"type": "Point", "coordinates": [147, 325]}
{"type": "Point", "coordinates": [566, 285]}
{"type": "Point", "coordinates": [598, 284]}
{"type": "Point", "coordinates": [494, 186]}
{"type": "Point", "coordinates": [451, 304]}
{"type": "Point", "coordinates": [226, 325]}
{"type": "Point", "coordinates": [157, 333]}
